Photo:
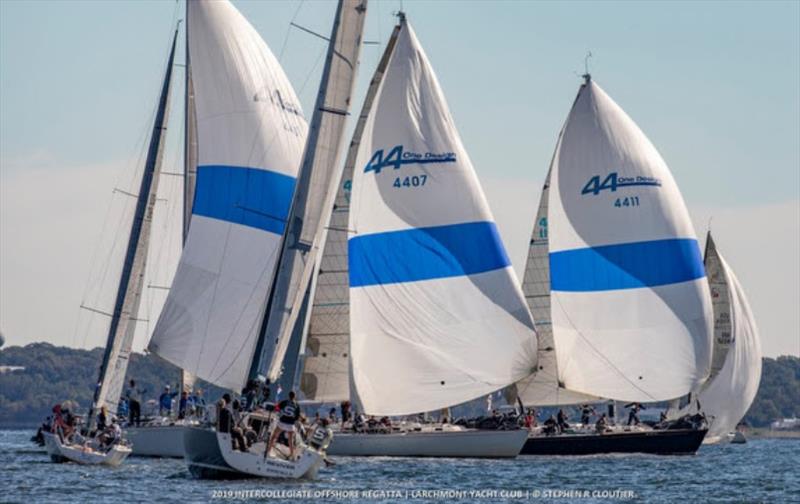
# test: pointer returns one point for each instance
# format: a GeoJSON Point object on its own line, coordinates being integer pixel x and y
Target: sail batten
{"type": "Point", "coordinates": [250, 134]}
{"type": "Point", "coordinates": [437, 317]}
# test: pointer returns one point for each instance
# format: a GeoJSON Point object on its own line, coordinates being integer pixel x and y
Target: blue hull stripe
{"type": "Point", "coordinates": [626, 266]}
{"type": "Point", "coordinates": [425, 253]}
{"type": "Point", "coordinates": [248, 196]}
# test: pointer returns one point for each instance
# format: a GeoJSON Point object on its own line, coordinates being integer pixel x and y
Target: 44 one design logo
{"type": "Point", "coordinates": [397, 157]}
{"type": "Point", "coordinates": [613, 181]}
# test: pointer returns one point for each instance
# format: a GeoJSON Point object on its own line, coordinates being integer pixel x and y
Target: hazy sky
{"type": "Point", "coordinates": [715, 85]}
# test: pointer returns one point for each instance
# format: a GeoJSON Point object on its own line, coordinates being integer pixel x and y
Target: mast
{"type": "Point", "coordinates": [313, 198]}
{"type": "Point", "coordinates": [325, 375]}
{"type": "Point", "coordinates": [126, 306]}
{"type": "Point", "coordinates": [189, 164]}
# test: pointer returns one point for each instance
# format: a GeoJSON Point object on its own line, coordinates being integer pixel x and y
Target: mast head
{"type": "Point", "coordinates": [586, 75]}
{"type": "Point", "coordinates": [401, 17]}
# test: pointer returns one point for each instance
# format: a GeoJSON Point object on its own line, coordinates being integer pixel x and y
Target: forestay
{"type": "Point", "coordinates": [320, 172]}
{"type": "Point", "coordinates": [728, 395]}
{"type": "Point", "coordinates": [632, 316]}
{"type": "Point", "coordinates": [325, 375]}
{"type": "Point", "coordinates": [437, 315]}
{"type": "Point", "coordinates": [544, 388]}
{"type": "Point", "coordinates": [250, 138]}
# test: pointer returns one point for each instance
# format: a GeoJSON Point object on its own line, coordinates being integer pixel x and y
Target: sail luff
{"type": "Point", "coordinates": [325, 376]}
{"type": "Point", "coordinates": [126, 307]}
{"type": "Point", "coordinates": [313, 199]}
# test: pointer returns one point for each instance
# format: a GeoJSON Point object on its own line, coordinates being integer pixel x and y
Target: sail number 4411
{"type": "Point", "coordinates": [410, 181]}
{"type": "Point", "coordinates": [632, 201]}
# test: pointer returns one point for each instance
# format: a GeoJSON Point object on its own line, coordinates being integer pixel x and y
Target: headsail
{"type": "Point", "coordinates": [319, 174]}
{"type": "Point", "coordinates": [325, 376]}
{"type": "Point", "coordinates": [437, 315]}
{"type": "Point", "coordinates": [544, 388]}
{"type": "Point", "coordinates": [727, 396]}
{"type": "Point", "coordinates": [250, 136]}
{"type": "Point", "coordinates": [632, 315]}
{"type": "Point", "coordinates": [129, 293]}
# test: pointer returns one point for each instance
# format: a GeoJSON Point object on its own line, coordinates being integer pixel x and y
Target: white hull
{"type": "Point", "coordinates": [60, 452]}
{"type": "Point", "coordinates": [156, 440]}
{"type": "Point", "coordinates": [467, 443]}
{"type": "Point", "coordinates": [210, 456]}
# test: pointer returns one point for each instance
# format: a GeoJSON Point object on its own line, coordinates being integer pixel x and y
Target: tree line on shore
{"type": "Point", "coordinates": [53, 374]}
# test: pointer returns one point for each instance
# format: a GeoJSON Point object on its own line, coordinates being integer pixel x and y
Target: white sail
{"type": "Point", "coordinates": [727, 396]}
{"type": "Point", "coordinates": [325, 376]}
{"type": "Point", "coordinates": [543, 388]}
{"type": "Point", "coordinates": [250, 138]}
{"type": "Point", "coordinates": [122, 327]}
{"type": "Point", "coordinates": [316, 189]}
{"type": "Point", "coordinates": [437, 315]}
{"type": "Point", "coordinates": [632, 317]}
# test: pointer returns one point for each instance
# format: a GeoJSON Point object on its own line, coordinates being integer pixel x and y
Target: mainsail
{"type": "Point", "coordinates": [313, 200]}
{"type": "Point", "coordinates": [325, 376]}
{"type": "Point", "coordinates": [250, 138]}
{"type": "Point", "coordinates": [437, 314]}
{"type": "Point", "coordinates": [129, 292]}
{"type": "Point", "coordinates": [727, 396]}
{"type": "Point", "coordinates": [545, 387]}
{"type": "Point", "coordinates": [631, 310]}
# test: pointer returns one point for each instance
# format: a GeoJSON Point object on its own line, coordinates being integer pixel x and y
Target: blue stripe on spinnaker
{"type": "Point", "coordinates": [241, 195]}
{"type": "Point", "coordinates": [425, 254]}
{"type": "Point", "coordinates": [626, 265]}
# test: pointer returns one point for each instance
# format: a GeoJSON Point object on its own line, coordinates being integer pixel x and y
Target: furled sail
{"type": "Point", "coordinates": [631, 310]}
{"type": "Point", "coordinates": [543, 388]}
{"type": "Point", "coordinates": [437, 315]}
{"type": "Point", "coordinates": [250, 137]}
{"type": "Point", "coordinates": [129, 293]}
{"type": "Point", "coordinates": [325, 376]}
{"type": "Point", "coordinates": [319, 174]}
{"type": "Point", "coordinates": [727, 396]}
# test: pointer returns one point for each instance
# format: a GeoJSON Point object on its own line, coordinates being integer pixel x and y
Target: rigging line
{"type": "Point", "coordinates": [289, 29]}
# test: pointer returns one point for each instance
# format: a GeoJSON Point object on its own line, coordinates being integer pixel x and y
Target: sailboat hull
{"type": "Point", "coordinates": [209, 455]}
{"type": "Point", "coordinates": [659, 442]}
{"type": "Point", "coordinates": [453, 444]}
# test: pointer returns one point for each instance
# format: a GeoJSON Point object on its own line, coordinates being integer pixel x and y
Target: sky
{"type": "Point", "coordinates": [714, 85]}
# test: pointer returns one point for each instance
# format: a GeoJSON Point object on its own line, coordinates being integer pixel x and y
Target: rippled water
{"type": "Point", "coordinates": [760, 471]}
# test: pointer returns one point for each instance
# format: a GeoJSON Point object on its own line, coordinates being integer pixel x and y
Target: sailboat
{"type": "Point", "coordinates": [123, 320]}
{"type": "Point", "coordinates": [616, 282]}
{"type": "Point", "coordinates": [262, 180]}
{"type": "Point", "coordinates": [736, 364]}
{"type": "Point", "coordinates": [416, 306]}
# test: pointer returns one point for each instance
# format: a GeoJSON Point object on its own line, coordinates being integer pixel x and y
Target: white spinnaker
{"type": "Point", "coordinates": [543, 388]}
{"type": "Point", "coordinates": [727, 396]}
{"type": "Point", "coordinates": [250, 136]}
{"type": "Point", "coordinates": [325, 375]}
{"type": "Point", "coordinates": [632, 316]}
{"type": "Point", "coordinates": [437, 315]}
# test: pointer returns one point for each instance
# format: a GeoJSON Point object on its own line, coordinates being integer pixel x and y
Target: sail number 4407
{"type": "Point", "coordinates": [410, 181]}
{"type": "Point", "coordinates": [632, 201]}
